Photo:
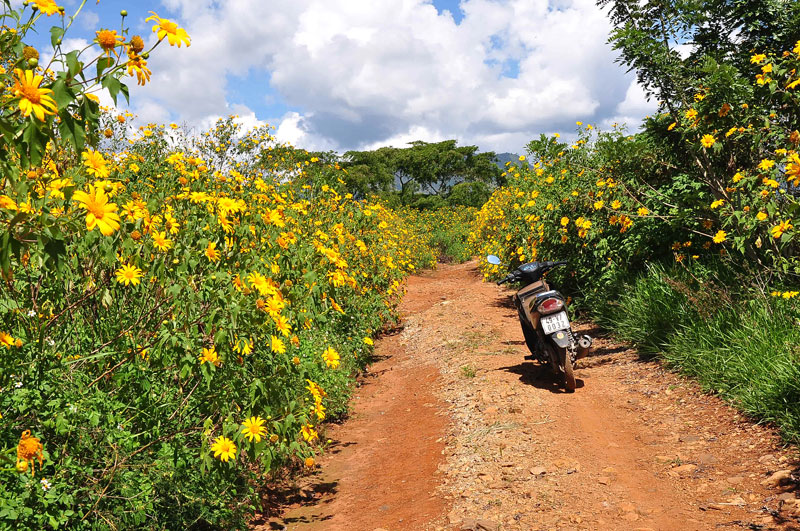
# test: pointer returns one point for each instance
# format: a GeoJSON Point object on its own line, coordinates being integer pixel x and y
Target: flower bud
{"type": "Point", "coordinates": [123, 13]}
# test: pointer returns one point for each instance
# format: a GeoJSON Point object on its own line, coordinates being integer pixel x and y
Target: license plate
{"type": "Point", "coordinates": [554, 323]}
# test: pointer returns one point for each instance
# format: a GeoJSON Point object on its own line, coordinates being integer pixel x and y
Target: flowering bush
{"type": "Point", "coordinates": [714, 181]}
{"type": "Point", "coordinates": [178, 314]}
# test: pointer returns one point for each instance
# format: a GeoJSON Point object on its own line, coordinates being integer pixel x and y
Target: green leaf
{"type": "Point", "coordinates": [56, 34]}
{"type": "Point", "coordinates": [113, 85]}
{"type": "Point", "coordinates": [73, 65]}
{"type": "Point", "coordinates": [62, 94]}
{"type": "Point", "coordinates": [55, 249]}
{"type": "Point", "coordinates": [104, 63]}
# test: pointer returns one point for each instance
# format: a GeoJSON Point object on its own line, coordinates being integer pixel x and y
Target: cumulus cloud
{"type": "Point", "coordinates": [361, 74]}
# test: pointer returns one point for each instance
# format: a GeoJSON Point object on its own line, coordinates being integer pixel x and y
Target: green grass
{"type": "Point", "coordinates": [747, 350]}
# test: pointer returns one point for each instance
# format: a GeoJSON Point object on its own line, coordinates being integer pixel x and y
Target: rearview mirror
{"type": "Point", "coordinates": [492, 259]}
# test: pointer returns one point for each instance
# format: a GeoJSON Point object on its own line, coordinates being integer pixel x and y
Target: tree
{"type": "Point", "coordinates": [423, 167]}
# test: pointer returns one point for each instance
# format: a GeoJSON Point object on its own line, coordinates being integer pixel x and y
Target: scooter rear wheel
{"type": "Point", "coordinates": [569, 375]}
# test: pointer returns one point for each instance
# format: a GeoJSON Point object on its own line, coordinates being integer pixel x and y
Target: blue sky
{"type": "Point", "coordinates": [358, 74]}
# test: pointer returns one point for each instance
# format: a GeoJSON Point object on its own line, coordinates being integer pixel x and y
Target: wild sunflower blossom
{"type": "Point", "coordinates": [6, 340]}
{"type": "Point", "coordinates": [48, 7]}
{"type": "Point", "coordinates": [170, 30]}
{"type": "Point", "coordinates": [161, 242]}
{"type": "Point", "coordinates": [210, 355]}
{"type": "Point", "coordinates": [33, 98]}
{"type": "Point", "coordinates": [778, 230]}
{"type": "Point", "coordinates": [331, 357]}
{"type": "Point", "coordinates": [128, 274]}
{"type": "Point", "coordinates": [707, 141]}
{"type": "Point", "coordinates": [108, 40]}
{"type": "Point", "coordinates": [28, 449]}
{"type": "Point", "coordinates": [99, 212]}
{"type": "Point", "coordinates": [95, 164]}
{"type": "Point", "coordinates": [138, 66]}
{"type": "Point", "coordinates": [212, 253]}
{"type": "Point", "coordinates": [308, 433]}
{"type": "Point", "coordinates": [224, 449]}
{"type": "Point", "coordinates": [254, 429]}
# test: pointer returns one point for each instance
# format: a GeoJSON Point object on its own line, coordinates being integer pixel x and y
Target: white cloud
{"type": "Point", "coordinates": [632, 109]}
{"type": "Point", "coordinates": [364, 73]}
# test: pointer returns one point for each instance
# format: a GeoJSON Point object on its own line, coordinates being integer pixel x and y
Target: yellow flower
{"type": "Point", "coordinates": [277, 345]}
{"type": "Point", "coordinates": [223, 449]}
{"type": "Point", "coordinates": [758, 58]}
{"type": "Point", "coordinates": [368, 341]}
{"type": "Point", "coordinates": [108, 39]}
{"type": "Point", "coordinates": [99, 212]}
{"type": "Point", "coordinates": [707, 141]}
{"type": "Point", "coordinates": [212, 253]}
{"type": "Point", "coordinates": [6, 340]}
{"type": "Point", "coordinates": [48, 7]}
{"type": "Point", "coordinates": [598, 205]}
{"type": "Point", "coordinates": [137, 65]}
{"type": "Point", "coordinates": [766, 164]}
{"type": "Point", "coordinates": [243, 346]}
{"type": "Point", "coordinates": [7, 203]}
{"type": "Point", "coordinates": [691, 114]}
{"type": "Point", "coordinates": [95, 164]}
{"type": "Point", "coordinates": [672, 126]}
{"type": "Point", "coordinates": [29, 448]}
{"type": "Point", "coordinates": [32, 98]}
{"type": "Point", "coordinates": [170, 30]}
{"type": "Point", "coordinates": [720, 236]}
{"type": "Point", "coordinates": [564, 221]}
{"type": "Point", "coordinates": [308, 432]}
{"type": "Point", "coordinates": [331, 357]}
{"type": "Point", "coordinates": [161, 242]}
{"type": "Point", "coordinates": [718, 203]}
{"type": "Point", "coordinates": [643, 211]}
{"type": "Point", "coordinates": [778, 230]}
{"type": "Point", "coordinates": [254, 429]}
{"type": "Point", "coordinates": [616, 204]}
{"type": "Point", "coordinates": [761, 216]}
{"type": "Point", "coordinates": [128, 274]}
{"type": "Point", "coordinates": [209, 355]}
{"type": "Point", "coordinates": [309, 462]}
{"type": "Point", "coordinates": [282, 324]}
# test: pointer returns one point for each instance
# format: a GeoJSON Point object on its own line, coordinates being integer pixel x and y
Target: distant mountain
{"type": "Point", "coordinates": [502, 158]}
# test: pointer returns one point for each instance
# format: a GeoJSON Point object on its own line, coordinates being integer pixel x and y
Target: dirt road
{"type": "Point", "coordinates": [452, 429]}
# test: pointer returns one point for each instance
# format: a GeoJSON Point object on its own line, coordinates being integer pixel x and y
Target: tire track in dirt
{"type": "Point", "coordinates": [635, 447]}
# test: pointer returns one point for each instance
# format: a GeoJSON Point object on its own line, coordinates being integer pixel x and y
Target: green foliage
{"type": "Point", "coordinates": [160, 293]}
{"type": "Point", "coordinates": [709, 186]}
{"type": "Point", "coordinates": [427, 168]}
{"type": "Point", "coordinates": [743, 349]}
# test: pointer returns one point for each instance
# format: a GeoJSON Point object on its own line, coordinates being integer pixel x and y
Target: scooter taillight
{"type": "Point", "coordinates": [550, 305]}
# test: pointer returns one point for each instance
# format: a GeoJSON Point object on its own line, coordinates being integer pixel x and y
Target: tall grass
{"type": "Point", "coordinates": [746, 350]}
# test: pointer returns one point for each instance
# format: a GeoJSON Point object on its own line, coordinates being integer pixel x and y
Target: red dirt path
{"type": "Point", "coordinates": [451, 425]}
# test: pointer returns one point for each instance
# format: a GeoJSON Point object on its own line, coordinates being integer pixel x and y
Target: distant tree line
{"type": "Point", "coordinates": [423, 175]}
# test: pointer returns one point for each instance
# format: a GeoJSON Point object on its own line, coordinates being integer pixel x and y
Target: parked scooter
{"type": "Point", "coordinates": [544, 319]}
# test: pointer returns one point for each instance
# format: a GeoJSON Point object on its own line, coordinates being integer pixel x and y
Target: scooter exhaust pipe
{"type": "Point", "coordinates": [584, 344]}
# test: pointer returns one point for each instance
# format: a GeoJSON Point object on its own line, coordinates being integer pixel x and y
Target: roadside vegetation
{"type": "Point", "coordinates": [681, 238]}
{"type": "Point", "coordinates": [178, 313]}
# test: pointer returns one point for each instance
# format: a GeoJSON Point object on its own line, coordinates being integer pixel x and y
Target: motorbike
{"type": "Point", "coordinates": [545, 321]}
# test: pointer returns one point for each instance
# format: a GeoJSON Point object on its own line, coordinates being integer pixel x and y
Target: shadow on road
{"type": "Point", "coordinates": [540, 376]}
